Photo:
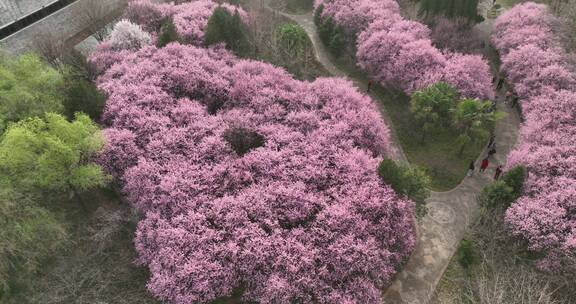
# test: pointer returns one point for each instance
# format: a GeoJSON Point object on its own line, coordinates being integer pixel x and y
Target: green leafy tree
{"type": "Point", "coordinates": [332, 35]}
{"type": "Point", "coordinates": [515, 179]}
{"type": "Point", "coordinates": [228, 28]}
{"type": "Point", "coordinates": [81, 95]}
{"type": "Point", "coordinates": [294, 49]}
{"type": "Point", "coordinates": [52, 154]}
{"type": "Point", "coordinates": [293, 39]}
{"type": "Point", "coordinates": [497, 194]}
{"type": "Point", "coordinates": [28, 235]}
{"type": "Point", "coordinates": [474, 119]}
{"type": "Point", "coordinates": [409, 181]}
{"type": "Point", "coordinates": [167, 34]}
{"type": "Point", "coordinates": [432, 106]}
{"type": "Point", "coordinates": [28, 87]}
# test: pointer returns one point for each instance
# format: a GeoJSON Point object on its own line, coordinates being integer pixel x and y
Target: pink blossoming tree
{"type": "Point", "coordinates": [190, 18]}
{"type": "Point", "coordinates": [535, 65]}
{"type": "Point", "coordinates": [299, 216]}
{"type": "Point", "coordinates": [400, 53]}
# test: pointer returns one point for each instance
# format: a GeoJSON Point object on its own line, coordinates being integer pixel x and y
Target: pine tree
{"type": "Point", "coordinates": [167, 34]}
{"type": "Point", "coordinates": [227, 28]}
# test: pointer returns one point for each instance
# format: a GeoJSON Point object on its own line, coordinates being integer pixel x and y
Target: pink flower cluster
{"type": "Point", "coordinates": [190, 18]}
{"type": "Point", "coordinates": [302, 219]}
{"type": "Point", "coordinates": [534, 63]}
{"type": "Point", "coordinates": [399, 52]}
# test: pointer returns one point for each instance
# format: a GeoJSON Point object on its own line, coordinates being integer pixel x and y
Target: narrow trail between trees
{"type": "Point", "coordinates": [449, 213]}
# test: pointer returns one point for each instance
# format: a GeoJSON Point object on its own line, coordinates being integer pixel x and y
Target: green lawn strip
{"type": "Point", "coordinates": [438, 153]}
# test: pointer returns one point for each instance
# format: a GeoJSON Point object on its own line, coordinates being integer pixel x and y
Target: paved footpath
{"type": "Point", "coordinates": [450, 213]}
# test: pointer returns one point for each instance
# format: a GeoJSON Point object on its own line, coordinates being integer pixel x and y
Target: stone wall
{"type": "Point", "coordinates": [70, 22]}
{"type": "Point", "coordinates": [11, 10]}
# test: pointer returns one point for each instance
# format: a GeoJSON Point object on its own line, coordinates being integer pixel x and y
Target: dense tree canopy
{"type": "Point", "coordinates": [190, 18]}
{"type": "Point", "coordinates": [535, 64]}
{"type": "Point", "coordinates": [247, 177]}
{"type": "Point", "coordinates": [432, 106]}
{"type": "Point", "coordinates": [51, 154]}
{"type": "Point", "coordinates": [475, 120]}
{"type": "Point", "coordinates": [399, 52]}
{"type": "Point", "coordinates": [228, 28]}
{"type": "Point", "coordinates": [28, 87]}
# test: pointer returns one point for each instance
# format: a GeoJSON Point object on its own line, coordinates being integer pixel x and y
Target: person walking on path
{"type": "Point", "coordinates": [491, 151]}
{"type": "Point", "coordinates": [369, 86]}
{"type": "Point", "coordinates": [492, 141]}
{"type": "Point", "coordinates": [514, 100]}
{"type": "Point", "coordinates": [498, 172]}
{"type": "Point", "coordinates": [500, 84]}
{"type": "Point", "coordinates": [484, 165]}
{"type": "Point", "coordinates": [471, 169]}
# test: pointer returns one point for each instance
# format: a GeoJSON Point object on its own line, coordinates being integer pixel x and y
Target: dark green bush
{"type": "Point", "coordinates": [407, 181]}
{"type": "Point", "coordinates": [243, 140]}
{"type": "Point", "coordinates": [390, 172]}
{"type": "Point", "coordinates": [515, 179]}
{"type": "Point", "coordinates": [167, 34]}
{"type": "Point", "coordinates": [228, 28]}
{"type": "Point", "coordinates": [332, 35]}
{"type": "Point", "coordinates": [466, 254]}
{"type": "Point", "coordinates": [81, 95]}
{"type": "Point", "coordinates": [497, 194]}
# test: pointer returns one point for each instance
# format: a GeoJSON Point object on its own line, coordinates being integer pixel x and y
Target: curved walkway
{"type": "Point", "coordinates": [450, 213]}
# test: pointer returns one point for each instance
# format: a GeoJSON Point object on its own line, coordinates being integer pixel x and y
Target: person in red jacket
{"type": "Point", "coordinates": [484, 165]}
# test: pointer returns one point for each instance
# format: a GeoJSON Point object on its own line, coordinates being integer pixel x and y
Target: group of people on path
{"type": "Point", "coordinates": [510, 98]}
{"type": "Point", "coordinates": [490, 150]}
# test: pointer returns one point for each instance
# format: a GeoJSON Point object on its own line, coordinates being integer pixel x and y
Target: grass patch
{"type": "Point", "coordinates": [438, 153]}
